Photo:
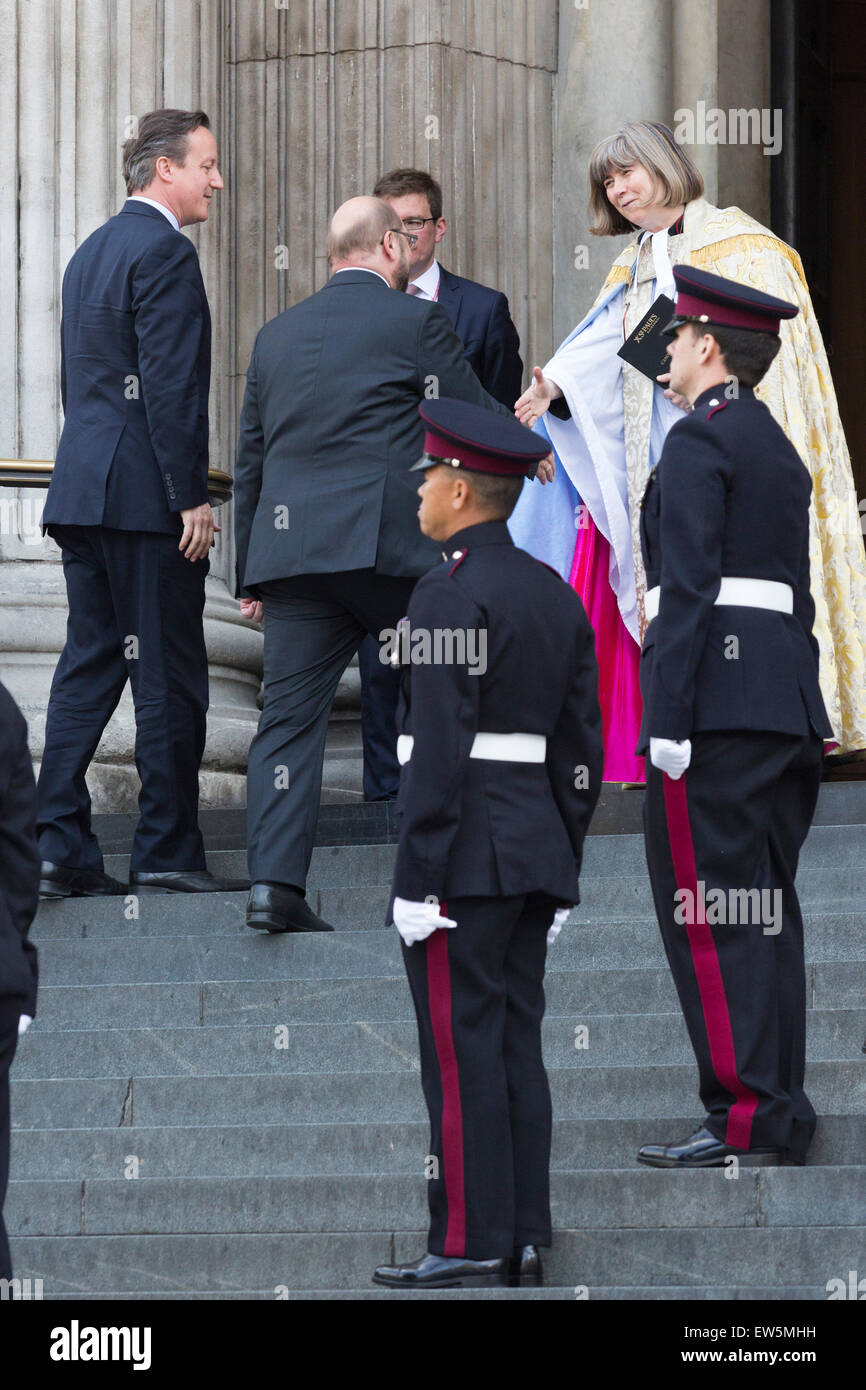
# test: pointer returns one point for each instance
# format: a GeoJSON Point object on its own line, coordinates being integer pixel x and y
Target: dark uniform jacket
{"type": "Point", "coordinates": [330, 428]}
{"type": "Point", "coordinates": [730, 498]}
{"type": "Point", "coordinates": [19, 858]}
{"type": "Point", "coordinates": [478, 827]}
{"type": "Point", "coordinates": [135, 375]}
{"type": "Point", "coordinates": [483, 323]}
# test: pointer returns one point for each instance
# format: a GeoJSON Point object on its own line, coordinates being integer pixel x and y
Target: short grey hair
{"type": "Point", "coordinates": [160, 133]}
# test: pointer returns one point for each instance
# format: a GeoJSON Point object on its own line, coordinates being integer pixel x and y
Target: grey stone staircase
{"type": "Point", "coordinates": [204, 1112]}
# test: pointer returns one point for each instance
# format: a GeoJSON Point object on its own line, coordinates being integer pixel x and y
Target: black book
{"type": "Point", "coordinates": [647, 347]}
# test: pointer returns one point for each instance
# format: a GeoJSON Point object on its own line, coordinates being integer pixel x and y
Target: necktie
{"type": "Point", "coordinates": [414, 290]}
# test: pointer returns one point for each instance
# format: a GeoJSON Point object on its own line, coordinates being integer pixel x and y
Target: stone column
{"type": "Point", "coordinates": [73, 76]}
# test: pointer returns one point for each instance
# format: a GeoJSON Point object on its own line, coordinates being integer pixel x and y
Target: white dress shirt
{"type": "Point", "coordinates": [344, 268]}
{"type": "Point", "coordinates": [427, 285]}
{"type": "Point", "coordinates": [151, 202]}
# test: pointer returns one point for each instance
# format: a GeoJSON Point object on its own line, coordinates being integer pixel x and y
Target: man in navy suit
{"type": "Point", "coordinates": [491, 346]}
{"type": "Point", "coordinates": [128, 505]}
{"type": "Point", "coordinates": [480, 315]}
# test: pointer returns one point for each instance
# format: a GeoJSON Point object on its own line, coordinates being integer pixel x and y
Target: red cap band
{"type": "Point", "coordinates": [481, 463]}
{"type": "Point", "coordinates": [734, 316]}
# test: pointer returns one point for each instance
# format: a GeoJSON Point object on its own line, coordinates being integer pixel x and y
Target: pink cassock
{"type": "Point", "coordinates": [618, 656]}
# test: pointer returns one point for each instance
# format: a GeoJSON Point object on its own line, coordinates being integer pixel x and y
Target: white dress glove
{"type": "Point", "coordinates": [417, 921]}
{"type": "Point", "coordinates": [670, 757]}
{"type": "Point", "coordinates": [24, 1023]}
{"type": "Point", "coordinates": [560, 917]}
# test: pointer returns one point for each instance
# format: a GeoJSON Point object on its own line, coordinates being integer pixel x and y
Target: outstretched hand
{"type": "Point", "coordinates": [536, 400]}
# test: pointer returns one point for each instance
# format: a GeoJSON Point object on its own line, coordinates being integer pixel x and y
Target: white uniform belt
{"type": "Point", "coordinates": [738, 593]}
{"type": "Point", "coordinates": [499, 748]}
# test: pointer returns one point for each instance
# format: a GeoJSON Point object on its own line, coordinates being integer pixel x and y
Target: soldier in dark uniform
{"type": "Point", "coordinates": [500, 746]}
{"type": "Point", "coordinates": [734, 725]}
{"type": "Point", "coordinates": [19, 899]}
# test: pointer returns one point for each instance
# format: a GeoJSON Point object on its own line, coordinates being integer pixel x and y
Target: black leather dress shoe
{"type": "Point", "coordinates": [444, 1272]}
{"type": "Point", "coordinates": [185, 881]}
{"type": "Point", "coordinates": [524, 1268]}
{"type": "Point", "coordinates": [278, 908]}
{"type": "Point", "coordinates": [704, 1150]}
{"type": "Point", "coordinates": [56, 881]}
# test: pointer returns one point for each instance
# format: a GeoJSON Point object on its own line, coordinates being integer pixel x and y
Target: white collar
{"type": "Point", "coordinates": [365, 268]}
{"type": "Point", "coordinates": [428, 283]}
{"type": "Point", "coordinates": [151, 202]}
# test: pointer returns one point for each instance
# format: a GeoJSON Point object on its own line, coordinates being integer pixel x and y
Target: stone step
{"type": "Point", "coordinates": [130, 957]}
{"type": "Point", "coordinates": [331, 865]}
{"type": "Point", "coordinates": [299, 1150]}
{"type": "Point", "coordinates": [620, 1199]}
{"type": "Point", "coordinates": [177, 1004]}
{"type": "Point", "coordinates": [617, 812]}
{"type": "Point", "coordinates": [373, 1294]}
{"type": "Point", "coordinates": [657, 1093]}
{"type": "Point", "coordinates": [710, 1293]}
{"type": "Point", "coordinates": [827, 846]}
{"type": "Point", "coordinates": [767, 1258]}
{"type": "Point", "coordinates": [543, 1295]}
{"type": "Point", "coordinates": [282, 1047]}
{"type": "Point", "coordinates": [823, 892]}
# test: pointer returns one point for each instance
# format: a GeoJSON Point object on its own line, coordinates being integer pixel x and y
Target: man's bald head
{"type": "Point", "coordinates": [357, 229]}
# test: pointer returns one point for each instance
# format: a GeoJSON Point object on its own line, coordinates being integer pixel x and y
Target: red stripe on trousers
{"type": "Point", "coordinates": [439, 995]}
{"type": "Point", "coordinates": [711, 988]}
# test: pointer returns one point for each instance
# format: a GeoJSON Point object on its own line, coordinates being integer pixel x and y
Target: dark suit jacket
{"type": "Point", "coordinates": [490, 341]}
{"type": "Point", "coordinates": [473, 826]}
{"type": "Point", "coordinates": [135, 375]}
{"type": "Point", "coordinates": [19, 858]}
{"type": "Point", "coordinates": [330, 427]}
{"type": "Point", "coordinates": [730, 498]}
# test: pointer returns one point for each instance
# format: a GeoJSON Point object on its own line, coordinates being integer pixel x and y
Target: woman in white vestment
{"type": "Point", "coordinates": [607, 423]}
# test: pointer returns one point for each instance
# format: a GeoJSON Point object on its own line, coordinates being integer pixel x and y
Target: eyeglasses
{"type": "Point", "coordinates": [412, 240]}
{"type": "Point", "coordinates": [416, 224]}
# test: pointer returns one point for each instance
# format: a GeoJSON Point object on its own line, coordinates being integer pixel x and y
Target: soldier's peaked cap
{"type": "Point", "coordinates": [711, 299]}
{"type": "Point", "coordinates": [470, 436]}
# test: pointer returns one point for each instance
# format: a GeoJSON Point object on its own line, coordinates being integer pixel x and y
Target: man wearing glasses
{"type": "Point", "coordinates": [328, 542]}
{"type": "Point", "coordinates": [491, 346]}
{"type": "Point", "coordinates": [480, 315]}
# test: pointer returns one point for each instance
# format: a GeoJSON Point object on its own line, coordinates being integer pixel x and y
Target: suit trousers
{"type": "Point", "coordinates": [10, 1011]}
{"type": "Point", "coordinates": [722, 846]}
{"type": "Point", "coordinates": [478, 990]}
{"type": "Point", "coordinates": [135, 613]}
{"type": "Point", "coordinates": [380, 689]}
{"type": "Point", "coordinates": [314, 624]}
